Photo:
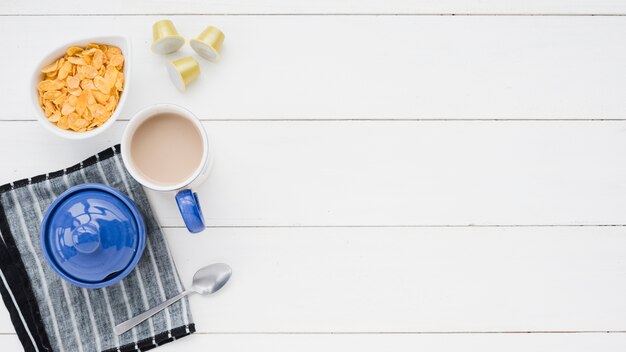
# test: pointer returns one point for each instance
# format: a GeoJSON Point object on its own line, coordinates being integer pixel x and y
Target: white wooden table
{"type": "Point", "coordinates": [387, 175]}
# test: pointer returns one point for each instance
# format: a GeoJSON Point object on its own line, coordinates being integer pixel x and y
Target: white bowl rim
{"type": "Point", "coordinates": [118, 40]}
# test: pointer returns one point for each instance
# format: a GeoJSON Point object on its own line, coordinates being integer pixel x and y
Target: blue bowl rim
{"type": "Point", "coordinates": [140, 245]}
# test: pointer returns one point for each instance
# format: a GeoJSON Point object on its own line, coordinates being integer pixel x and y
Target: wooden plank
{"type": "Point", "coordinates": [380, 173]}
{"type": "Point", "coordinates": [354, 280]}
{"type": "Point", "coordinates": [378, 342]}
{"type": "Point", "coordinates": [358, 67]}
{"type": "Point", "coordinates": [428, 342]}
{"type": "Point", "coordinates": [10, 342]}
{"type": "Point", "coordinates": [458, 7]}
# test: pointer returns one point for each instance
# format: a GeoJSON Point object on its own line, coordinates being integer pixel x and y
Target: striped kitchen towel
{"type": "Point", "coordinates": [50, 314]}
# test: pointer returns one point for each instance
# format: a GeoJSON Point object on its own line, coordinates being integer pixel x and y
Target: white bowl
{"type": "Point", "coordinates": [119, 41]}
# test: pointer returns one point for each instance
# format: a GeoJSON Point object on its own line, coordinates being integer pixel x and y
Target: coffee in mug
{"type": "Point", "coordinates": [165, 148]}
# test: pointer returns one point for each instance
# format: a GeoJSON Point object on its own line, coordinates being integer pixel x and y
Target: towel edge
{"type": "Point", "coordinates": [156, 340]}
{"type": "Point", "coordinates": [31, 330]}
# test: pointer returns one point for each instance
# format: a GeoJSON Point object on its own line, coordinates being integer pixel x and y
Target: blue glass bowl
{"type": "Point", "coordinates": [92, 235]}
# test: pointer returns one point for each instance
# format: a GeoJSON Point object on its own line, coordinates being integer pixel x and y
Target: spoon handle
{"type": "Point", "coordinates": [134, 321]}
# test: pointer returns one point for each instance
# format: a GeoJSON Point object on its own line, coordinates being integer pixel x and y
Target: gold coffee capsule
{"type": "Point", "coordinates": [209, 43]}
{"type": "Point", "coordinates": [165, 38]}
{"type": "Point", "coordinates": [183, 71]}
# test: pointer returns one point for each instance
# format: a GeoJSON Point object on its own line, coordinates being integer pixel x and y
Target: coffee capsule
{"type": "Point", "coordinates": [165, 38]}
{"type": "Point", "coordinates": [209, 43]}
{"type": "Point", "coordinates": [183, 71]}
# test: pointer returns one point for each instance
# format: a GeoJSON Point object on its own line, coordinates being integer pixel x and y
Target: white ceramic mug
{"type": "Point", "coordinates": [187, 200]}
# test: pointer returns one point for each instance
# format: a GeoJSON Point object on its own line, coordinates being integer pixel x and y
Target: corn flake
{"type": "Point", "coordinates": [81, 90]}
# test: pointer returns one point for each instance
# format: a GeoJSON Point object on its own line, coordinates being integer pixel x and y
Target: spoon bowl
{"type": "Point", "coordinates": [211, 278]}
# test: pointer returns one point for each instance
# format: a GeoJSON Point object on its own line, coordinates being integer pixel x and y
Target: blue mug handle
{"type": "Point", "coordinates": [189, 207]}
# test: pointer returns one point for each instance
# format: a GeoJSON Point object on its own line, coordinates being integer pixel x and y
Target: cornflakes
{"type": "Point", "coordinates": [81, 90]}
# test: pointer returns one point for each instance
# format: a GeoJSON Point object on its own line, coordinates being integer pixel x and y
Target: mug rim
{"type": "Point", "coordinates": [138, 119]}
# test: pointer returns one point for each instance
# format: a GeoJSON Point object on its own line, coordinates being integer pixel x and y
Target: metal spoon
{"type": "Point", "coordinates": [205, 281]}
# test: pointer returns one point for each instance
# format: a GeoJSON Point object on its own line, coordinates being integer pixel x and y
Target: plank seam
{"type": "Point", "coordinates": [314, 14]}
{"type": "Point", "coordinates": [538, 332]}
{"type": "Point", "coordinates": [399, 226]}
{"type": "Point", "coordinates": [380, 120]}
{"type": "Point", "coordinates": [414, 332]}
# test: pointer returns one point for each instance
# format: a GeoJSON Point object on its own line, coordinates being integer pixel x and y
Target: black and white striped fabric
{"type": "Point", "coordinates": [50, 314]}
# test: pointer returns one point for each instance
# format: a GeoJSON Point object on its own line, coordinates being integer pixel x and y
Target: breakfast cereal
{"type": "Point", "coordinates": [81, 90]}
